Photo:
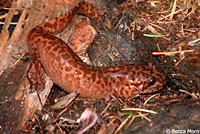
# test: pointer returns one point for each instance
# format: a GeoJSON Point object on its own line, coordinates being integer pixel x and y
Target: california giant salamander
{"type": "Point", "coordinates": [69, 72]}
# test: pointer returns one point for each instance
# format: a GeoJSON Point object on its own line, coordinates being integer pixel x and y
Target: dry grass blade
{"type": "Point", "coordinates": [173, 10]}
{"type": "Point", "coordinates": [174, 52]}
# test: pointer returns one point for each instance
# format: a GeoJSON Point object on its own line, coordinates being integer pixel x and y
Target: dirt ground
{"type": "Point", "coordinates": [132, 32]}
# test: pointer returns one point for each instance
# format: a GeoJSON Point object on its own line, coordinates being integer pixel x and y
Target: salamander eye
{"type": "Point", "coordinates": [151, 81]}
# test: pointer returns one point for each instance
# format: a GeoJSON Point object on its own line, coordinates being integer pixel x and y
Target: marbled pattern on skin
{"type": "Point", "coordinates": [69, 72]}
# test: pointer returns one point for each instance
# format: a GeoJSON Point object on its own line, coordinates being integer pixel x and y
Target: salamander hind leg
{"type": "Point", "coordinates": [33, 75]}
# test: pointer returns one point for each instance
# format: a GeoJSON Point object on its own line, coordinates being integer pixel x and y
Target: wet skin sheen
{"type": "Point", "coordinates": [69, 72]}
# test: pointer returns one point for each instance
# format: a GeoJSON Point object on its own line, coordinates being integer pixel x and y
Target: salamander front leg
{"type": "Point", "coordinates": [34, 78]}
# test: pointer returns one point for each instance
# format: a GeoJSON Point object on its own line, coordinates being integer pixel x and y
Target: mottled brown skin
{"type": "Point", "coordinates": [69, 72]}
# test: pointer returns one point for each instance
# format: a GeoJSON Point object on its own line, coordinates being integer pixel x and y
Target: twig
{"type": "Point", "coordinates": [170, 14]}
{"type": "Point", "coordinates": [123, 123]}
